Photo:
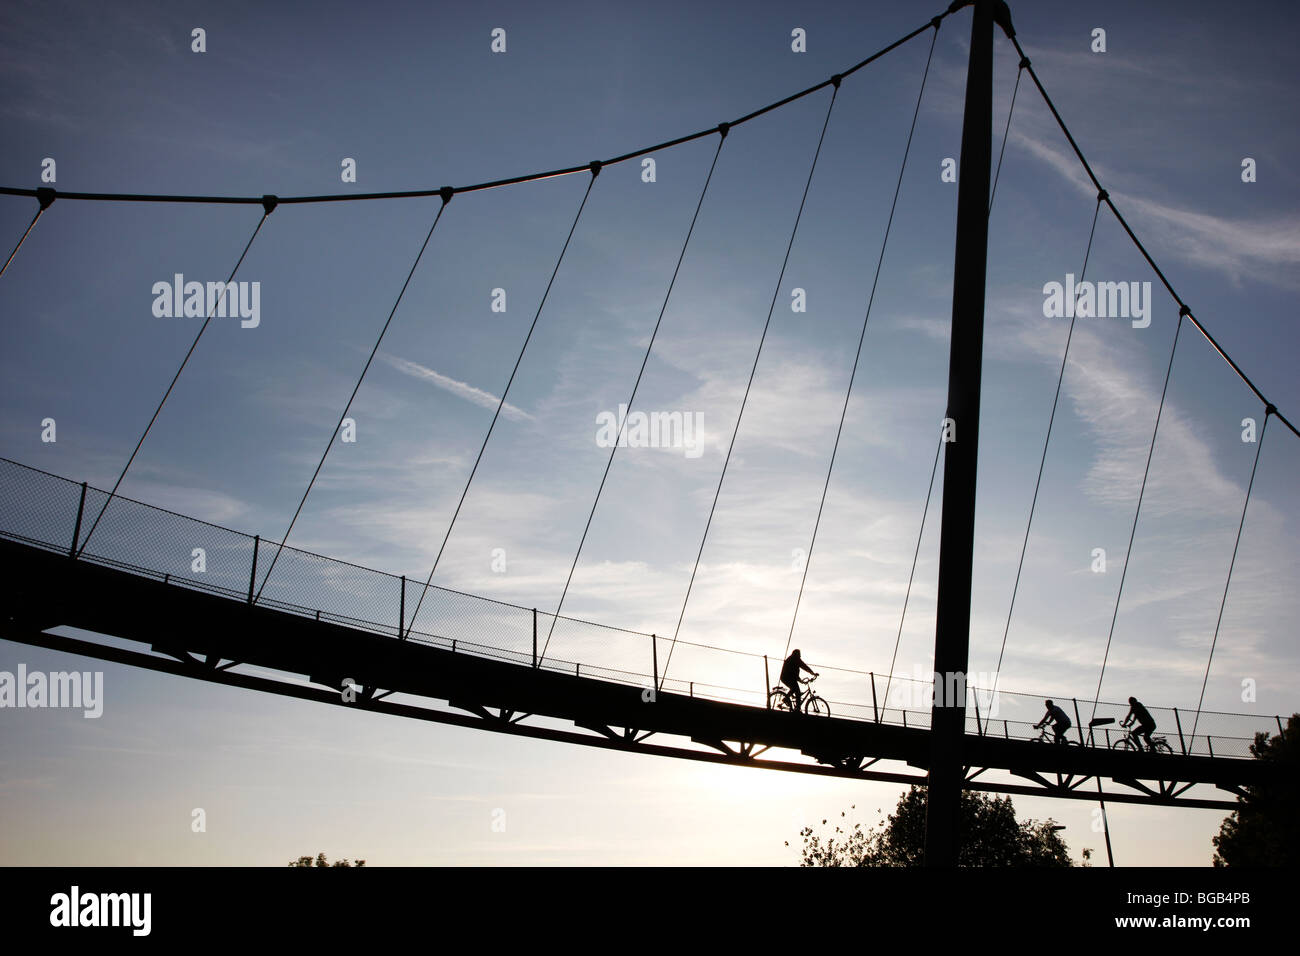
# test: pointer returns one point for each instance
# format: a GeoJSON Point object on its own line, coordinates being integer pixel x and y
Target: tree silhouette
{"type": "Point", "coordinates": [1264, 830]}
{"type": "Point", "coordinates": [321, 861]}
{"type": "Point", "coordinates": [990, 836]}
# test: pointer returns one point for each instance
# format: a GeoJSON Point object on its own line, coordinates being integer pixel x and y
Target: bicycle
{"type": "Point", "coordinates": [1048, 736]}
{"type": "Point", "coordinates": [779, 698]}
{"type": "Point", "coordinates": [1131, 741]}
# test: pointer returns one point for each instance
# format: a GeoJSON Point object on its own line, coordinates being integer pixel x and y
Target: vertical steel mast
{"type": "Point", "coordinates": [957, 537]}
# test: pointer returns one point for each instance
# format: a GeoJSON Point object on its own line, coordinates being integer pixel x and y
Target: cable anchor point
{"type": "Point", "coordinates": [595, 167]}
{"type": "Point", "coordinates": [835, 80]}
{"type": "Point", "coordinates": [446, 192]}
{"type": "Point", "coordinates": [1102, 195]}
{"type": "Point", "coordinates": [269, 203]}
{"type": "Point", "coordinates": [723, 128]}
{"type": "Point", "coordinates": [46, 196]}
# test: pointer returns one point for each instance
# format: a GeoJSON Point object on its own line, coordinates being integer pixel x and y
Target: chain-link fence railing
{"type": "Point", "coordinates": [50, 512]}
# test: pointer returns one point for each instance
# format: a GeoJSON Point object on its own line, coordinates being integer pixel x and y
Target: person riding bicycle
{"type": "Point", "coordinates": [1139, 715]}
{"type": "Point", "coordinates": [790, 676]}
{"type": "Point", "coordinates": [1060, 722]}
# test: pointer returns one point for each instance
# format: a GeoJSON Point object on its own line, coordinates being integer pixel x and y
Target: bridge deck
{"type": "Point", "coordinates": [200, 630]}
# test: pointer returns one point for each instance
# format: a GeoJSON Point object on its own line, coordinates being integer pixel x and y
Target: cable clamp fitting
{"type": "Point", "coordinates": [1270, 409]}
{"type": "Point", "coordinates": [1024, 63]}
{"type": "Point", "coordinates": [446, 192]}
{"type": "Point", "coordinates": [45, 195]}
{"type": "Point", "coordinates": [269, 203]}
{"type": "Point", "coordinates": [723, 128]}
{"type": "Point", "coordinates": [596, 164]}
{"type": "Point", "coordinates": [835, 80]}
{"type": "Point", "coordinates": [1102, 195]}
{"type": "Point", "coordinates": [1184, 311]}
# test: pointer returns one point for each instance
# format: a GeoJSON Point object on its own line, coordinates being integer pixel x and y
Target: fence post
{"type": "Point", "coordinates": [534, 637]}
{"type": "Point", "coordinates": [401, 612]}
{"type": "Point", "coordinates": [1006, 731]}
{"type": "Point", "coordinates": [252, 577]}
{"type": "Point", "coordinates": [1181, 742]}
{"type": "Point", "coordinates": [874, 709]}
{"type": "Point", "coordinates": [1078, 724]}
{"type": "Point", "coordinates": [76, 531]}
{"type": "Point", "coordinates": [1209, 745]}
{"type": "Point", "coordinates": [767, 684]}
{"type": "Point", "coordinates": [979, 728]}
{"type": "Point", "coordinates": [654, 653]}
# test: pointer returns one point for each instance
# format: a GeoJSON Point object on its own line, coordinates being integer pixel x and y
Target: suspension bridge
{"type": "Point", "coordinates": [263, 614]}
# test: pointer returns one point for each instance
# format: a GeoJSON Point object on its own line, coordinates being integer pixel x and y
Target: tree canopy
{"type": "Point", "coordinates": [321, 861]}
{"type": "Point", "coordinates": [991, 836]}
{"type": "Point", "coordinates": [1264, 830]}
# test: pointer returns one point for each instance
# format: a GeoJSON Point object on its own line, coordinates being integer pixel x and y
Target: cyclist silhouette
{"type": "Point", "coordinates": [790, 676]}
{"type": "Point", "coordinates": [1139, 715]}
{"type": "Point", "coordinates": [1060, 722]}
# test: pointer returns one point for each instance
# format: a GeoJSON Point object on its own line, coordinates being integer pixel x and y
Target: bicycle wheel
{"type": "Point", "coordinates": [778, 700]}
{"type": "Point", "coordinates": [1162, 747]}
{"type": "Point", "coordinates": [816, 706]}
{"type": "Point", "coordinates": [1124, 743]}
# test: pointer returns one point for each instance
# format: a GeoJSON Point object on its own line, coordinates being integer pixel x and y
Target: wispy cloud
{"type": "Point", "coordinates": [1266, 251]}
{"type": "Point", "coordinates": [460, 389]}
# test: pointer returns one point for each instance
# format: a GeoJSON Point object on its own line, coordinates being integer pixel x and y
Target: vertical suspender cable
{"type": "Point", "coordinates": [46, 197]}
{"type": "Point", "coordinates": [1042, 461]}
{"type": "Point", "coordinates": [1268, 412]}
{"type": "Point", "coordinates": [749, 384]}
{"type": "Point", "coordinates": [446, 198]}
{"type": "Point", "coordinates": [857, 358]}
{"type": "Point", "coordinates": [1128, 555]}
{"type": "Point", "coordinates": [268, 206]}
{"type": "Point", "coordinates": [595, 171]}
{"type": "Point", "coordinates": [934, 468]}
{"type": "Point", "coordinates": [722, 138]}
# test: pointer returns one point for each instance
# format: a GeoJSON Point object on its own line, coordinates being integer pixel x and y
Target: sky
{"type": "Point", "coordinates": [416, 96]}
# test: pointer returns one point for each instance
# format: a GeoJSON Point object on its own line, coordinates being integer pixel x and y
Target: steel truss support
{"type": "Point", "coordinates": [506, 720]}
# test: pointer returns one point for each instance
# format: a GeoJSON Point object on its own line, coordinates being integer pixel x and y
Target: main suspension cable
{"type": "Point", "coordinates": [1185, 309]}
{"type": "Point", "coordinates": [496, 183]}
